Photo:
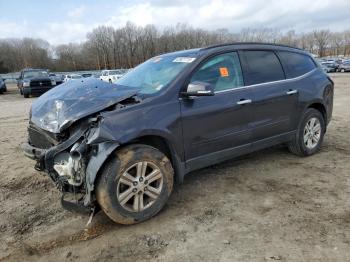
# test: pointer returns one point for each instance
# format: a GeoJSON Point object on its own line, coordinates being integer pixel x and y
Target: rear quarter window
{"type": "Point", "coordinates": [261, 67]}
{"type": "Point", "coordinates": [296, 64]}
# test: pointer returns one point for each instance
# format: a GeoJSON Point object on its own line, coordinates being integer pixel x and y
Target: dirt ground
{"type": "Point", "coordinates": [266, 206]}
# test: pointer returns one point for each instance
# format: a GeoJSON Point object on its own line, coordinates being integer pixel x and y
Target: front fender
{"type": "Point", "coordinates": [100, 154]}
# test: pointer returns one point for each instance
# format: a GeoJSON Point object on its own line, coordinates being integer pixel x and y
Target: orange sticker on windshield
{"type": "Point", "coordinates": [224, 71]}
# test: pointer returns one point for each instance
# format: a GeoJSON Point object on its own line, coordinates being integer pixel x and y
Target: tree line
{"type": "Point", "coordinates": [107, 47]}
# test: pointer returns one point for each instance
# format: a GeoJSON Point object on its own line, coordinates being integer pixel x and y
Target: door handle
{"type": "Point", "coordinates": [292, 92]}
{"type": "Point", "coordinates": [243, 102]}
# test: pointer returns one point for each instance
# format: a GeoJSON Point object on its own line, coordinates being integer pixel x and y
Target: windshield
{"type": "Point", "coordinates": [155, 74]}
{"type": "Point", "coordinates": [32, 74]}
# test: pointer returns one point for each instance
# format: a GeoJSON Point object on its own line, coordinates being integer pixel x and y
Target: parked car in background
{"type": "Point", "coordinates": [331, 66]}
{"type": "Point", "coordinates": [111, 76]}
{"type": "Point", "coordinates": [34, 82]}
{"type": "Point", "coordinates": [344, 67]}
{"type": "Point", "coordinates": [56, 77]}
{"type": "Point", "coordinates": [72, 77]}
{"type": "Point", "coordinates": [85, 75]}
{"type": "Point", "coordinates": [326, 69]}
{"type": "Point", "coordinates": [121, 149]}
{"type": "Point", "coordinates": [3, 87]}
{"type": "Point", "coordinates": [97, 75]}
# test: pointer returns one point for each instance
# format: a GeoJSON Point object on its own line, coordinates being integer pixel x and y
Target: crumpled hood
{"type": "Point", "coordinates": [61, 106]}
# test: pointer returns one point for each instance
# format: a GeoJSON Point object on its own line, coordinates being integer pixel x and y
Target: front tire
{"type": "Point", "coordinates": [135, 184]}
{"type": "Point", "coordinates": [309, 136]}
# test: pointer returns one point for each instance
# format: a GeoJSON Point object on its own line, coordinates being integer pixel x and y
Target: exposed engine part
{"type": "Point", "coordinates": [77, 151]}
{"type": "Point", "coordinates": [70, 165]}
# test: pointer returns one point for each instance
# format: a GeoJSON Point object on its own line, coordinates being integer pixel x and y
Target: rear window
{"type": "Point", "coordinates": [296, 64]}
{"type": "Point", "coordinates": [261, 67]}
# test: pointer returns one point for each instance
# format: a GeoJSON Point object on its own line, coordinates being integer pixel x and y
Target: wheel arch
{"type": "Point", "coordinates": [165, 146]}
{"type": "Point", "coordinates": [158, 142]}
{"type": "Point", "coordinates": [321, 108]}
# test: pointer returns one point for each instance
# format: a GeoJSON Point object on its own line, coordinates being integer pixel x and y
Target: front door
{"type": "Point", "coordinates": [213, 125]}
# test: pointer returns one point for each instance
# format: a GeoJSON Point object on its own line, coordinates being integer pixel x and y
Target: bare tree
{"type": "Point", "coordinates": [321, 40]}
{"type": "Point", "coordinates": [127, 46]}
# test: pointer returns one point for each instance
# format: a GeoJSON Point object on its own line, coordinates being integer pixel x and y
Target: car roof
{"type": "Point", "coordinates": [252, 45]}
{"type": "Point", "coordinates": [235, 45]}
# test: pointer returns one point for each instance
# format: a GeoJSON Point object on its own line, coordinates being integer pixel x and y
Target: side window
{"type": "Point", "coordinates": [222, 71]}
{"type": "Point", "coordinates": [261, 67]}
{"type": "Point", "coordinates": [296, 64]}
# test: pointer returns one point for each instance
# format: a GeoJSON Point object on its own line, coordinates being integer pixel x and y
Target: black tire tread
{"type": "Point", "coordinates": [295, 145]}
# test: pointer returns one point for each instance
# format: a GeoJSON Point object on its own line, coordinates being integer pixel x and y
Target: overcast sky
{"type": "Point", "coordinates": [63, 21]}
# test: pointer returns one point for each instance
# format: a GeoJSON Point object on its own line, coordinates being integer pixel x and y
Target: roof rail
{"type": "Point", "coordinates": [248, 43]}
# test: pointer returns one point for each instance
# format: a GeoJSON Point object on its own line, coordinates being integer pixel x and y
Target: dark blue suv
{"type": "Point", "coordinates": [121, 147]}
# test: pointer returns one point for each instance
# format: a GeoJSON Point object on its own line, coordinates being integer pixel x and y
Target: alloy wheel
{"type": "Point", "coordinates": [139, 186]}
{"type": "Point", "coordinates": [312, 133]}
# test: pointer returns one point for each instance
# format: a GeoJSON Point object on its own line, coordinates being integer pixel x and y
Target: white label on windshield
{"type": "Point", "coordinates": [184, 59]}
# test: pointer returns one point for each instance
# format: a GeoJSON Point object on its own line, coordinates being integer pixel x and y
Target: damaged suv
{"type": "Point", "coordinates": [121, 147]}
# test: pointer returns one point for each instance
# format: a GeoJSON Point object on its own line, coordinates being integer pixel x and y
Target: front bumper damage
{"type": "Point", "coordinates": [74, 164]}
{"type": "Point", "coordinates": [66, 135]}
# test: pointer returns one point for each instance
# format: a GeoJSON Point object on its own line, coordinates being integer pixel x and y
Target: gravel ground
{"type": "Point", "coordinates": [266, 206]}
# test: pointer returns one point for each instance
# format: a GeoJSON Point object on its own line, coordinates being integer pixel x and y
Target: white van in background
{"type": "Point", "coordinates": [112, 76]}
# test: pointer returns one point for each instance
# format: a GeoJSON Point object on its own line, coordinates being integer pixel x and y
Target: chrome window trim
{"type": "Point", "coordinates": [266, 83]}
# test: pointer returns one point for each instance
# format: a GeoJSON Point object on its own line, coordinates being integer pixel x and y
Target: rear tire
{"type": "Point", "coordinates": [26, 95]}
{"type": "Point", "coordinates": [342, 70]}
{"type": "Point", "coordinates": [133, 175]}
{"type": "Point", "coordinates": [309, 136]}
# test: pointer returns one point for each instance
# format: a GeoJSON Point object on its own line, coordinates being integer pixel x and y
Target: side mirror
{"type": "Point", "coordinates": [199, 89]}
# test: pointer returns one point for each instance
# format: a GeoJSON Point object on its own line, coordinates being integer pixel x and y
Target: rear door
{"type": "Point", "coordinates": [275, 100]}
{"type": "Point", "coordinates": [297, 67]}
{"type": "Point", "coordinates": [213, 124]}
